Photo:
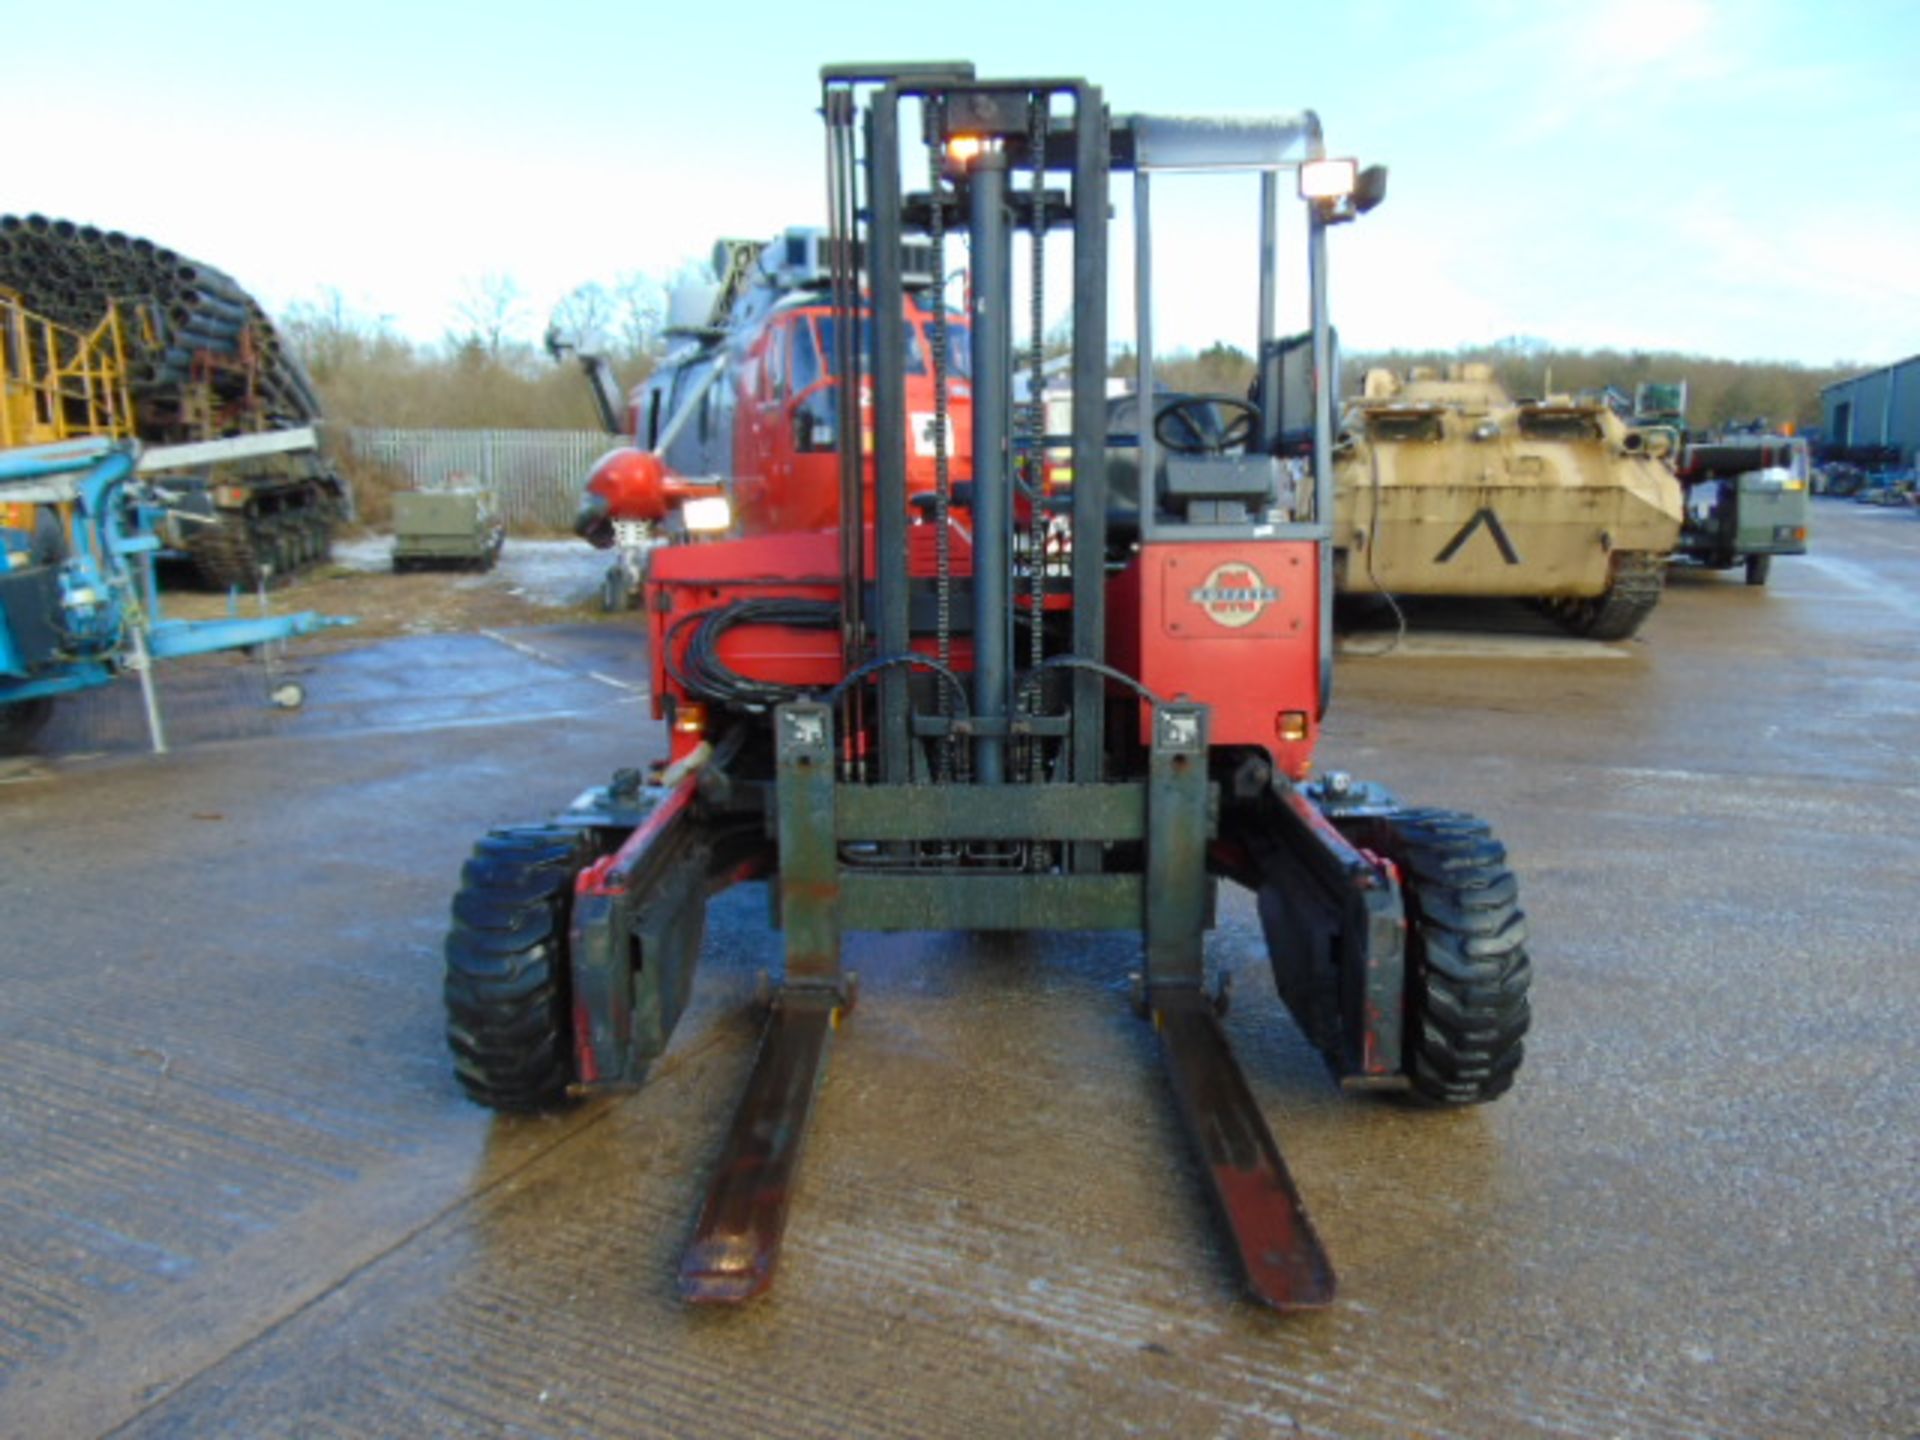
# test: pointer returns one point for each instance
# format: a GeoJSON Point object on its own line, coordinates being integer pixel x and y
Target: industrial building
{"type": "Point", "coordinates": [1877, 410]}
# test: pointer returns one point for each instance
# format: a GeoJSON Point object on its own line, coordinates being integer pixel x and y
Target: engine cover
{"type": "Point", "coordinates": [1231, 623]}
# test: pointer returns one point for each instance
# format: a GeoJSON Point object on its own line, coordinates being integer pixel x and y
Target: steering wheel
{"type": "Point", "coordinates": [1200, 430]}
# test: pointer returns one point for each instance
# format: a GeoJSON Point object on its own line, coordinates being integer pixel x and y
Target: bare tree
{"type": "Point", "coordinates": [586, 317]}
{"type": "Point", "coordinates": [640, 306]}
{"type": "Point", "coordinates": [492, 309]}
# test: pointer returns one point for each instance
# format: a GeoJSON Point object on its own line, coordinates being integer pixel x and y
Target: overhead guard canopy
{"type": "Point", "coordinates": [1214, 142]}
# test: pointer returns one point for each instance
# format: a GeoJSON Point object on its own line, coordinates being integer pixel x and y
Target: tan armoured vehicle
{"type": "Point", "coordinates": [1448, 486]}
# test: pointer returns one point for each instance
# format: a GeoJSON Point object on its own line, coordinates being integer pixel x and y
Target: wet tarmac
{"type": "Point", "coordinates": [241, 1194]}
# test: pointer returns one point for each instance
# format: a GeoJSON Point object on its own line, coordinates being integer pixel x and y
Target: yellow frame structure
{"type": "Point", "coordinates": [58, 383]}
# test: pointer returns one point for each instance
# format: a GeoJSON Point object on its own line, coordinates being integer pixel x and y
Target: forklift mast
{"type": "Point", "coordinates": [992, 148]}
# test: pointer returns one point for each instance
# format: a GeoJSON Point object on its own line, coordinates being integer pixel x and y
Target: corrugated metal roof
{"type": "Point", "coordinates": [1869, 374]}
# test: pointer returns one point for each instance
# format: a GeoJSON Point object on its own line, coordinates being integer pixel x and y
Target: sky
{"type": "Point", "coordinates": [1722, 177]}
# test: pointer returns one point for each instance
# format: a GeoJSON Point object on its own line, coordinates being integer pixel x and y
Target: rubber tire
{"type": "Point", "coordinates": [1631, 593]}
{"type": "Point", "coordinates": [508, 989]}
{"type": "Point", "coordinates": [1758, 568]}
{"type": "Point", "coordinates": [1468, 972]}
{"type": "Point", "coordinates": [21, 721]}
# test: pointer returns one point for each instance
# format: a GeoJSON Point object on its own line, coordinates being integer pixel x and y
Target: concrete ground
{"type": "Point", "coordinates": [241, 1194]}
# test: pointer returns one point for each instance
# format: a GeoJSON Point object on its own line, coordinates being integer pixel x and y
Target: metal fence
{"type": "Point", "coordinates": [535, 475]}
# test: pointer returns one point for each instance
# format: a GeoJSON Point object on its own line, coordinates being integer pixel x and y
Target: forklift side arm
{"type": "Point", "coordinates": [1335, 928]}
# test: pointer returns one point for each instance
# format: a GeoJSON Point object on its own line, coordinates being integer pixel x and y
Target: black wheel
{"type": "Point", "coordinates": [1623, 607]}
{"type": "Point", "coordinates": [1467, 968]}
{"type": "Point", "coordinates": [1758, 568]}
{"type": "Point", "coordinates": [508, 990]}
{"type": "Point", "coordinates": [615, 593]}
{"type": "Point", "coordinates": [20, 721]}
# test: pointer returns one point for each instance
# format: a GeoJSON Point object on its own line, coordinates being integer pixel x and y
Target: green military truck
{"type": "Point", "coordinates": [1747, 501]}
{"type": "Point", "coordinates": [456, 527]}
{"type": "Point", "coordinates": [1747, 497]}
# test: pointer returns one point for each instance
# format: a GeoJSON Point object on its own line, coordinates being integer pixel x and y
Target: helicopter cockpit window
{"type": "Point", "coordinates": [959, 351]}
{"type": "Point", "coordinates": [959, 348]}
{"type": "Point", "coordinates": [916, 351]}
{"type": "Point", "coordinates": [806, 357]}
{"type": "Point", "coordinates": [773, 377]}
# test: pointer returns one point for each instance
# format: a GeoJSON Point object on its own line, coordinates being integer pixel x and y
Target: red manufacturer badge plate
{"type": "Point", "coordinates": [1223, 596]}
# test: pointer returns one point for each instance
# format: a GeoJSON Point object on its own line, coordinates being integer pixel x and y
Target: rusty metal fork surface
{"type": "Point", "coordinates": [737, 1240]}
{"type": "Point", "coordinates": [1273, 1239]}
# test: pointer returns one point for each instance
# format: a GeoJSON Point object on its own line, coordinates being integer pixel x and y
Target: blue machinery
{"type": "Point", "coordinates": [73, 621]}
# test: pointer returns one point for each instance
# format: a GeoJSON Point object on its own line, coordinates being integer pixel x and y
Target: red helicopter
{"type": "Point", "coordinates": [753, 394]}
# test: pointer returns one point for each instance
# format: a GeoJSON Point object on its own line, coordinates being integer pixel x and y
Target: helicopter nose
{"type": "Point", "coordinates": [590, 522]}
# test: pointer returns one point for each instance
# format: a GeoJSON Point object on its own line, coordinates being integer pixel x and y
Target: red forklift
{"type": "Point", "coordinates": [999, 704]}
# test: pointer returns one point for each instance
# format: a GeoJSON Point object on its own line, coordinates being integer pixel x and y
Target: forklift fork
{"type": "Point", "coordinates": [1274, 1242]}
{"type": "Point", "coordinates": [736, 1242]}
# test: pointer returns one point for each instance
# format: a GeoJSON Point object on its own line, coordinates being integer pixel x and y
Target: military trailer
{"type": "Point", "coordinates": [456, 527]}
{"type": "Point", "coordinates": [1445, 485]}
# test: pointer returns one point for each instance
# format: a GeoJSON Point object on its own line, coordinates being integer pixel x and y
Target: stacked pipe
{"type": "Point", "coordinates": [72, 273]}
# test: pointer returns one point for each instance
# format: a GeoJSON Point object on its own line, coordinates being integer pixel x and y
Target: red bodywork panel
{"type": "Point", "coordinates": [683, 580]}
{"type": "Point", "coordinates": [1231, 623]}
{"type": "Point", "coordinates": [688, 580]}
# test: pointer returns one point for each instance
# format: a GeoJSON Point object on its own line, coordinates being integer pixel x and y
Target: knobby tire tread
{"type": "Point", "coordinates": [507, 989]}
{"type": "Point", "coordinates": [1468, 970]}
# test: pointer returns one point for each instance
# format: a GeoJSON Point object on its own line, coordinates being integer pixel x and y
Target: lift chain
{"type": "Point", "coordinates": [937, 333]}
{"type": "Point", "coordinates": [1037, 414]}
